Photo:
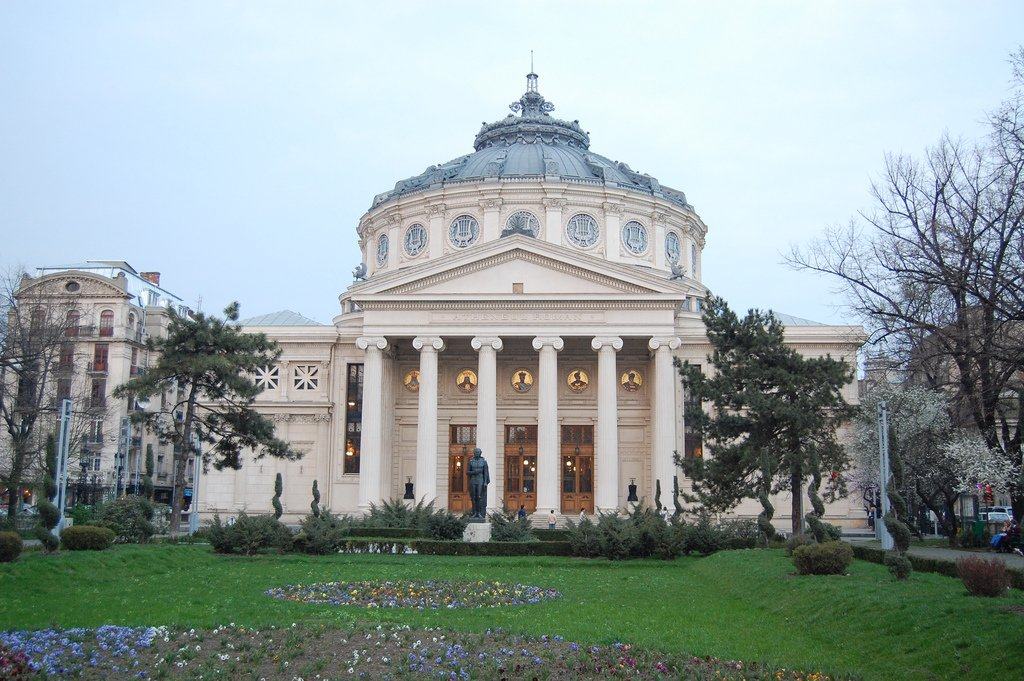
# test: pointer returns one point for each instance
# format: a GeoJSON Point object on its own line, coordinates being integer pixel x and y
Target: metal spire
{"type": "Point", "coordinates": [531, 77]}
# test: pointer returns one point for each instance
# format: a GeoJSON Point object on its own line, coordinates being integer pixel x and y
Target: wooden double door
{"type": "Point", "coordinates": [577, 469]}
{"type": "Point", "coordinates": [521, 468]}
{"type": "Point", "coordinates": [461, 442]}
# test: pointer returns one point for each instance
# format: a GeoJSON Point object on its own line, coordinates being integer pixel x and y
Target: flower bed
{"type": "Point", "coordinates": [235, 652]}
{"type": "Point", "coordinates": [424, 595]}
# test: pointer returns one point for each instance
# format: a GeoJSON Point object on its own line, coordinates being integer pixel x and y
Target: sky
{"type": "Point", "coordinates": [233, 146]}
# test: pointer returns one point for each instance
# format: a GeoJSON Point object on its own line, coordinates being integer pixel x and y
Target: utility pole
{"type": "Point", "coordinates": [883, 478]}
{"type": "Point", "coordinates": [123, 442]}
{"type": "Point", "coordinates": [63, 444]}
{"type": "Point", "coordinates": [197, 471]}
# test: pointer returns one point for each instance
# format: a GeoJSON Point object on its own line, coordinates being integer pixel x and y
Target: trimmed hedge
{"type": "Point", "coordinates": [389, 532]}
{"type": "Point", "coordinates": [493, 548]}
{"type": "Point", "coordinates": [922, 564]}
{"type": "Point", "coordinates": [827, 558]}
{"type": "Point", "coordinates": [10, 546]}
{"type": "Point", "coordinates": [87, 538]}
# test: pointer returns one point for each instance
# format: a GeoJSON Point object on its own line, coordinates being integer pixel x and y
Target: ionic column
{"type": "Point", "coordinates": [426, 418]}
{"type": "Point", "coordinates": [663, 426]}
{"type": "Point", "coordinates": [606, 466]}
{"type": "Point", "coordinates": [487, 409]}
{"type": "Point", "coordinates": [371, 436]}
{"type": "Point", "coordinates": [548, 478]}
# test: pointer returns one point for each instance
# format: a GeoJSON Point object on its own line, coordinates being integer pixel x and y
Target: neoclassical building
{"type": "Point", "coordinates": [527, 298]}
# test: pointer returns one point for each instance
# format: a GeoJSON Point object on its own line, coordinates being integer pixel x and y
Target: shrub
{"type": "Point", "coordinates": [739, 533]}
{"type": "Point", "coordinates": [983, 577]}
{"type": "Point", "coordinates": [10, 546]}
{"type": "Point", "coordinates": [87, 538]}
{"type": "Point", "coordinates": [827, 558]}
{"type": "Point", "coordinates": [833, 532]}
{"type": "Point", "coordinates": [702, 537]}
{"type": "Point", "coordinates": [49, 516]}
{"type": "Point", "coordinates": [552, 535]}
{"type": "Point", "coordinates": [81, 514]}
{"type": "Point", "coordinates": [492, 548]}
{"type": "Point", "coordinates": [506, 526]}
{"type": "Point", "coordinates": [46, 537]}
{"type": "Point", "coordinates": [617, 536]}
{"type": "Point", "coordinates": [445, 526]}
{"type": "Point", "coordinates": [798, 539]}
{"type": "Point", "coordinates": [385, 532]}
{"type": "Point", "coordinates": [276, 501]}
{"type": "Point", "coordinates": [249, 535]}
{"type": "Point", "coordinates": [899, 565]}
{"type": "Point", "coordinates": [321, 534]}
{"type": "Point", "coordinates": [584, 539]}
{"type": "Point", "coordinates": [15, 664]}
{"type": "Point", "coordinates": [395, 513]}
{"type": "Point", "coordinates": [130, 517]}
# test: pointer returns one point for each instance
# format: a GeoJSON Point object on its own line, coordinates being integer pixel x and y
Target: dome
{"type": "Point", "coordinates": [534, 144]}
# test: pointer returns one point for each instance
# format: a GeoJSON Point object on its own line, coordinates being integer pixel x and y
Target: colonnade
{"type": "Point", "coordinates": [606, 449]}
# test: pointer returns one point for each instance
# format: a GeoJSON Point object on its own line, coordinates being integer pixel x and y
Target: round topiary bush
{"type": "Point", "coordinates": [796, 540]}
{"type": "Point", "coordinates": [899, 566]}
{"type": "Point", "coordinates": [827, 558]}
{"type": "Point", "coordinates": [86, 538]}
{"type": "Point", "coordinates": [10, 546]}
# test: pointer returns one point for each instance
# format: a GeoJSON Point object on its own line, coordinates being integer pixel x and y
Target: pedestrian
{"type": "Point", "coordinates": [521, 514]}
{"type": "Point", "coordinates": [552, 519]}
{"type": "Point", "coordinates": [583, 514]}
{"type": "Point", "coordinates": [664, 513]}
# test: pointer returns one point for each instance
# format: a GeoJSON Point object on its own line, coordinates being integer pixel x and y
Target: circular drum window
{"type": "Point", "coordinates": [464, 231]}
{"type": "Point", "coordinates": [582, 231]}
{"type": "Point", "coordinates": [415, 240]}
{"type": "Point", "coordinates": [672, 248]}
{"type": "Point", "coordinates": [522, 222]}
{"type": "Point", "coordinates": [634, 236]}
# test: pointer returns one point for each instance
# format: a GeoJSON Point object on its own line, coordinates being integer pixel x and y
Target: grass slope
{"type": "Point", "coordinates": [742, 605]}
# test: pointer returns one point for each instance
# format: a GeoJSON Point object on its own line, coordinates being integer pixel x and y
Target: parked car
{"type": "Point", "coordinates": [997, 517]}
{"type": "Point", "coordinates": [994, 514]}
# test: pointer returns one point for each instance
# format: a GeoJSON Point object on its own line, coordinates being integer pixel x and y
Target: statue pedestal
{"type": "Point", "coordinates": [477, 532]}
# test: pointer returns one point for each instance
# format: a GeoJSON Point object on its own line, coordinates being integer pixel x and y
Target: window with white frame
{"type": "Point", "coordinates": [306, 377]}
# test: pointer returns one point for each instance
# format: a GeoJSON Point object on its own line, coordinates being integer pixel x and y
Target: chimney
{"type": "Point", "coordinates": [151, 277]}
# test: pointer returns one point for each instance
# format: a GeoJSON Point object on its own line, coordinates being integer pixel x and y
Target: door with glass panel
{"type": "Point", "coordinates": [577, 469]}
{"type": "Point", "coordinates": [461, 441]}
{"type": "Point", "coordinates": [521, 468]}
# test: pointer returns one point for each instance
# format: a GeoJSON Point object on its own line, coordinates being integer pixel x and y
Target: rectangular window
{"type": "Point", "coordinates": [100, 354]}
{"type": "Point", "coordinates": [63, 389]}
{"type": "Point", "coordinates": [67, 356]}
{"type": "Point", "coordinates": [98, 393]}
{"type": "Point", "coordinates": [353, 417]}
{"type": "Point", "coordinates": [693, 438]}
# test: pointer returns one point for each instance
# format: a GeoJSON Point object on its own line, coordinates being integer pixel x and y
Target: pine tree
{"type": "Point", "coordinates": [205, 366]}
{"type": "Point", "coordinates": [773, 418]}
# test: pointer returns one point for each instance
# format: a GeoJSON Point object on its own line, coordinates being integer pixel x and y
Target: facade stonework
{"type": "Point", "coordinates": [528, 299]}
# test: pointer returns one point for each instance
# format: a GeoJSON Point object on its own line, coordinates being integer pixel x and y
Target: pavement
{"type": "Point", "coordinates": [948, 554]}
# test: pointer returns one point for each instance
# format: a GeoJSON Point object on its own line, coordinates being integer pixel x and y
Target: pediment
{"type": "Point", "coordinates": [89, 285]}
{"type": "Point", "coordinates": [543, 270]}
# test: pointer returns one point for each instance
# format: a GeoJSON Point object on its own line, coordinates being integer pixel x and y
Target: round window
{"type": "Point", "coordinates": [463, 231]}
{"type": "Point", "coordinates": [382, 249]}
{"type": "Point", "coordinates": [582, 231]}
{"type": "Point", "coordinates": [522, 222]}
{"type": "Point", "coordinates": [634, 236]}
{"type": "Point", "coordinates": [72, 286]}
{"type": "Point", "coordinates": [415, 240]}
{"type": "Point", "coordinates": [672, 248]}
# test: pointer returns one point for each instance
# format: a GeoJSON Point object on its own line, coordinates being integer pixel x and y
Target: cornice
{"type": "Point", "coordinates": [412, 304]}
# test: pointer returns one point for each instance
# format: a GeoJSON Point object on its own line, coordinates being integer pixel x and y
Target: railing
{"type": "Point", "coordinates": [97, 402]}
{"type": "Point", "coordinates": [96, 367]}
{"type": "Point", "coordinates": [88, 331]}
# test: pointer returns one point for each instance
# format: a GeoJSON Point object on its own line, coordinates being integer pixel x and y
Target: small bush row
{"type": "Point", "coordinates": [922, 564]}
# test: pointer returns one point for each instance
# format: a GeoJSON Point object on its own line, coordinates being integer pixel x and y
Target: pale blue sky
{"type": "Point", "coordinates": [233, 146]}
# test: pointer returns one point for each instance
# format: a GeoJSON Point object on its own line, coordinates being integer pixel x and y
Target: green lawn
{"type": "Point", "coordinates": [743, 605]}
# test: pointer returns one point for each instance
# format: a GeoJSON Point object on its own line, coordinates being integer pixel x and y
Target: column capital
{"type": "Point", "coordinates": [614, 342]}
{"type": "Point", "coordinates": [491, 341]}
{"type": "Point", "coordinates": [379, 342]}
{"type": "Point", "coordinates": [427, 342]}
{"type": "Point", "coordinates": [554, 341]}
{"type": "Point", "coordinates": [668, 342]}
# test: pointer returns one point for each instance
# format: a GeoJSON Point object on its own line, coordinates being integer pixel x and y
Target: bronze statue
{"type": "Point", "coordinates": [479, 478]}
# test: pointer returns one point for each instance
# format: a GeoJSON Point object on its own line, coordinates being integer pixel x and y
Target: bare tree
{"type": "Point", "coordinates": [935, 271]}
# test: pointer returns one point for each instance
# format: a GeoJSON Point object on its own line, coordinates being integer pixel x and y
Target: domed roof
{"type": "Point", "coordinates": [533, 144]}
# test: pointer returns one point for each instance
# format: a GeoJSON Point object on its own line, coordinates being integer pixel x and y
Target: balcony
{"type": "Point", "coordinates": [97, 402]}
{"type": "Point", "coordinates": [97, 367]}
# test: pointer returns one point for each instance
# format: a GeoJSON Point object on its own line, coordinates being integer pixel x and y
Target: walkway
{"type": "Point", "coordinates": [944, 553]}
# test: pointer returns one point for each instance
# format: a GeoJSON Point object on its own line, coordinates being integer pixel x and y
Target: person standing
{"type": "Point", "coordinates": [583, 514]}
{"type": "Point", "coordinates": [521, 513]}
{"type": "Point", "coordinates": [552, 519]}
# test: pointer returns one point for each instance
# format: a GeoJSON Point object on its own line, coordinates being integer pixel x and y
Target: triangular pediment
{"type": "Point", "coordinates": [542, 268]}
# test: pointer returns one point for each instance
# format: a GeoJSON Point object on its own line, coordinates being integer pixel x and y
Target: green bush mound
{"type": "Point", "coordinates": [826, 558]}
{"type": "Point", "coordinates": [551, 535]}
{"type": "Point", "coordinates": [130, 517]}
{"type": "Point", "coordinates": [322, 534]}
{"type": "Point", "coordinates": [507, 526]}
{"type": "Point", "coordinates": [250, 535]}
{"type": "Point", "coordinates": [87, 538]}
{"type": "Point", "coordinates": [10, 546]}
{"type": "Point", "coordinates": [983, 577]}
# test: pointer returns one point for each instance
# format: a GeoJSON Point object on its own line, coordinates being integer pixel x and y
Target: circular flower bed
{"type": "Point", "coordinates": [430, 594]}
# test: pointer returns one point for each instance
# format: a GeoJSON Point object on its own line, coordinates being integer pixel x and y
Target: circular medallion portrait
{"type": "Point", "coordinates": [522, 381]}
{"type": "Point", "coordinates": [466, 381]}
{"type": "Point", "coordinates": [412, 381]}
{"type": "Point", "coordinates": [578, 380]}
{"type": "Point", "coordinates": [631, 380]}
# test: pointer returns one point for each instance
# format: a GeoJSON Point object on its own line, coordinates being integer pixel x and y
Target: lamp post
{"type": "Point", "coordinates": [63, 443]}
{"type": "Point", "coordinates": [197, 472]}
{"type": "Point", "coordinates": [883, 478]}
